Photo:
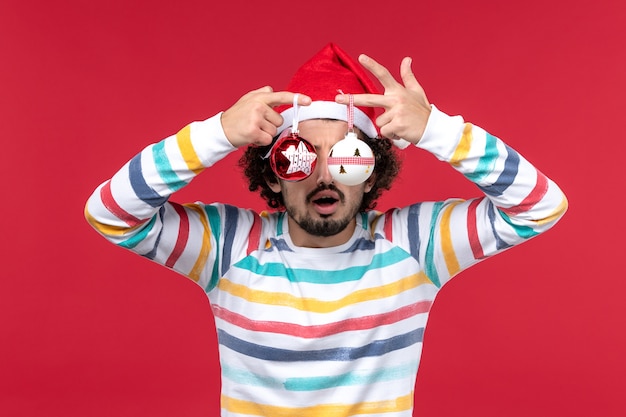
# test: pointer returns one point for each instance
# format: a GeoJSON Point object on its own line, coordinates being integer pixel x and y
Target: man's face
{"type": "Point", "coordinates": [321, 211]}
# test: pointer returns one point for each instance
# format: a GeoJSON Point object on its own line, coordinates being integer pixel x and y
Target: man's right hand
{"type": "Point", "coordinates": [253, 121]}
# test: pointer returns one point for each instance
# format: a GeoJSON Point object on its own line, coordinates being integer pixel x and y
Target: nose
{"type": "Point", "coordinates": [321, 173]}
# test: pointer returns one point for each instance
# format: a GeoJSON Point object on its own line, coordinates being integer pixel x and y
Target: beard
{"type": "Point", "coordinates": [324, 226]}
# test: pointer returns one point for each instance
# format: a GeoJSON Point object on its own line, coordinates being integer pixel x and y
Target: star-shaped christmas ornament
{"type": "Point", "coordinates": [293, 158]}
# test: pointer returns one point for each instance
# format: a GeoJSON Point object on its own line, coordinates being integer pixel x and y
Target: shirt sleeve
{"type": "Point", "coordinates": [518, 202]}
{"type": "Point", "coordinates": [132, 209]}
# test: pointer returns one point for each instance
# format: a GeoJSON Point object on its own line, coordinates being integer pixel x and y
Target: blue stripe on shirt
{"type": "Point", "coordinates": [317, 276]}
{"type": "Point", "coordinates": [164, 168]}
{"type": "Point", "coordinates": [215, 225]}
{"type": "Point", "coordinates": [507, 176]}
{"type": "Point", "coordinates": [151, 255]}
{"type": "Point", "coordinates": [139, 185]}
{"type": "Point", "coordinates": [522, 231]}
{"type": "Point", "coordinates": [231, 219]}
{"type": "Point", "coordinates": [367, 377]}
{"type": "Point", "coordinates": [487, 162]}
{"type": "Point", "coordinates": [429, 267]}
{"type": "Point", "coordinates": [135, 239]}
{"type": "Point", "coordinates": [491, 212]}
{"type": "Point", "coordinates": [413, 233]}
{"type": "Point", "coordinates": [376, 348]}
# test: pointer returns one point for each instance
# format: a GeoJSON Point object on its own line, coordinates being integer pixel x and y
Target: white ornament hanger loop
{"type": "Point", "coordinates": [296, 114]}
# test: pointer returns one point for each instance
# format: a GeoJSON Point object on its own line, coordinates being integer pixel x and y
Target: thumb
{"type": "Point", "coordinates": [406, 73]}
{"type": "Point", "coordinates": [264, 89]}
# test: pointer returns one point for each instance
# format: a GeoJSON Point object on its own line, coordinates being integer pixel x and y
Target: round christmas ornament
{"type": "Point", "coordinates": [292, 158]}
{"type": "Point", "coordinates": [351, 161]}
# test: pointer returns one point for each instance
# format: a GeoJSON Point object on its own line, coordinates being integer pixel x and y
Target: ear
{"type": "Point", "coordinates": [369, 183]}
{"type": "Point", "coordinates": [274, 184]}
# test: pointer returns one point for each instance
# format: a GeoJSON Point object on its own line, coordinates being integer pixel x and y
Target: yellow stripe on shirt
{"type": "Point", "coordinates": [452, 263]}
{"type": "Point", "coordinates": [399, 404]}
{"type": "Point", "coordinates": [195, 272]}
{"type": "Point", "coordinates": [556, 214]}
{"type": "Point", "coordinates": [183, 138]}
{"type": "Point", "coordinates": [463, 148]}
{"type": "Point", "coordinates": [107, 229]}
{"type": "Point", "coordinates": [321, 306]}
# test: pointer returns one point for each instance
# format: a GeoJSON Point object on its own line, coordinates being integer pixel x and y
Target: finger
{"type": "Point", "coordinates": [387, 132]}
{"type": "Point", "coordinates": [260, 133]}
{"type": "Point", "coordinates": [286, 97]}
{"type": "Point", "coordinates": [268, 131]}
{"type": "Point", "coordinates": [273, 117]}
{"type": "Point", "coordinates": [384, 119]}
{"type": "Point", "coordinates": [380, 72]}
{"type": "Point", "coordinates": [265, 89]}
{"type": "Point", "coordinates": [365, 100]}
{"type": "Point", "coordinates": [408, 78]}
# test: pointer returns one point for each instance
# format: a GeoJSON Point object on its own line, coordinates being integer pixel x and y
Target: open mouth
{"type": "Point", "coordinates": [325, 201]}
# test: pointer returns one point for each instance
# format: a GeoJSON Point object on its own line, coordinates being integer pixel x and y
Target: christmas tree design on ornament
{"type": "Point", "coordinates": [351, 160]}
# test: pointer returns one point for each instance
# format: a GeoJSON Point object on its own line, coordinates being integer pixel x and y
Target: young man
{"type": "Point", "coordinates": [320, 307]}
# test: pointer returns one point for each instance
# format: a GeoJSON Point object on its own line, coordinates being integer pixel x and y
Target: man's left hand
{"type": "Point", "coordinates": [406, 107]}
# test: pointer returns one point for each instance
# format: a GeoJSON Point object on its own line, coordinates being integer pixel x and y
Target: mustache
{"type": "Point", "coordinates": [325, 187]}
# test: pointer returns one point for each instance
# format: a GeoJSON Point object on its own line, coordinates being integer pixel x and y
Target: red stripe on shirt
{"type": "Point", "coordinates": [388, 226]}
{"type": "Point", "coordinates": [472, 230]}
{"type": "Point", "coordinates": [109, 202]}
{"type": "Point", "coordinates": [255, 235]}
{"type": "Point", "coordinates": [181, 239]}
{"type": "Point", "coordinates": [540, 190]}
{"type": "Point", "coordinates": [311, 332]}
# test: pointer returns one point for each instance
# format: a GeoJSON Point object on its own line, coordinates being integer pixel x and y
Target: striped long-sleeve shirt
{"type": "Point", "coordinates": [322, 331]}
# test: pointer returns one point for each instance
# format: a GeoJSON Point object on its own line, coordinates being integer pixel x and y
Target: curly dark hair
{"type": "Point", "coordinates": [258, 172]}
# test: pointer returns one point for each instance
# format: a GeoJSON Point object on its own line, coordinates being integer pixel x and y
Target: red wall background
{"type": "Point", "coordinates": [87, 329]}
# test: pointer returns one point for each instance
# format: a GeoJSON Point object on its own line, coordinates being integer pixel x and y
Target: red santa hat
{"type": "Point", "coordinates": [327, 73]}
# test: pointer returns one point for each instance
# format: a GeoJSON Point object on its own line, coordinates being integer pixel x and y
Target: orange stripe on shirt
{"type": "Point", "coordinates": [556, 214]}
{"type": "Point", "coordinates": [322, 306]}
{"type": "Point", "coordinates": [195, 272]}
{"type": "Point", "coordinates": [107, 229]}
{"type": "Point", "coordinates": [463, 148]}
{"type": "Point", "coordinates": [446, 241]}
{"type": "Point", "coordinates": [183, 138]}
{"type": "Point", "coordinates": [395, 405]}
